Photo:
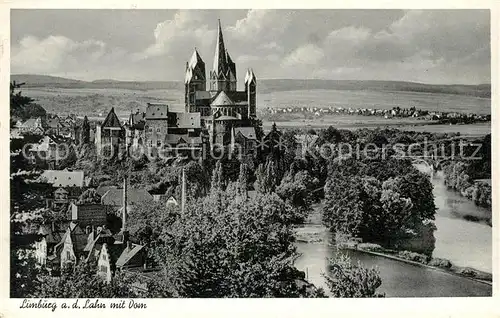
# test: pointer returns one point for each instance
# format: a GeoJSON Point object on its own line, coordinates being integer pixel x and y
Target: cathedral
{"type": "Point", "coordinates": [226, 113]}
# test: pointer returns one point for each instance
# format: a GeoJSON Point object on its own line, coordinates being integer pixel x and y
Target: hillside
{"type": "Point", "coordinates": [264, 86]}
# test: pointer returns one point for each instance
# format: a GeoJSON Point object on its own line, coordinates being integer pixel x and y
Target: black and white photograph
{"type": "Point", "coordinates": [249, 153]}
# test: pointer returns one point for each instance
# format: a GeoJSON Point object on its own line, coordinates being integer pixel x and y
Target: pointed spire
{"type": "Point", "coordinates": [189, 75]}
{"type": "Point", "coordinates": [220, 60]}
{"type": "Point", "coordinates": [250, 77]}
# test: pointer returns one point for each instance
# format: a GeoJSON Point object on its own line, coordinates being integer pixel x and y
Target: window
{"type": "Point", "coordinates": [158, 129]}
{"type": "Point", "coordinates": [68, 255]}
{"type": "Point", "coordinates": [158, 143]}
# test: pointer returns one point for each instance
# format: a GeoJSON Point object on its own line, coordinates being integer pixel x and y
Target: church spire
{"type": "Point", "coordinates": [220, 58]}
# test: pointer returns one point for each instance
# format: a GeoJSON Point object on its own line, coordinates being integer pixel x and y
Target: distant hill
{"type": "Point", "coordinates": [44, 80]}
{"type": "Point", "coordinates": [264, 86]}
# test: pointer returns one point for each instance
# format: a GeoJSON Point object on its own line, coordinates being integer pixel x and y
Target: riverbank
{"type": "Point", "coordinates": [416, 259]}
{"type": "Point", "coordinates": [316, 245]}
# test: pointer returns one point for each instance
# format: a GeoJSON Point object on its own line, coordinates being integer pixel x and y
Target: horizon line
{"type": "Point", "coordinates": [267, 78]}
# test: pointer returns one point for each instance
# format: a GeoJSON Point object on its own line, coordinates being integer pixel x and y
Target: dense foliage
{"type": "Point", "coordinates": [377, 202]}
{"type": "Point", "coordinates": [470, 177]}
{"type": "Point", "coordinates": [226, 245]}
{"type": "Point", "coordinates": [352, 280]}
{"type": "Point", "coordinates": [81, 281]}
{"type": "Point", "coordinates": [23, 107]}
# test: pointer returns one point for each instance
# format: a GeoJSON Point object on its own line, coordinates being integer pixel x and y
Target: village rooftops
{"type": "Point", "coordinates": [188, 120]}
{"type": "Point", "coordinates": [63, 178]}
{"type": "Point", "coordinates": [247, 132]}
{"type": "Point", "coordinates": [156, 111]}
{"type": "Point", "coordinates": [53, 232]}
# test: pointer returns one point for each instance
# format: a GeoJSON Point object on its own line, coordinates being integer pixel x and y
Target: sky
{"type": "Point", "coordinates": [428, 46]}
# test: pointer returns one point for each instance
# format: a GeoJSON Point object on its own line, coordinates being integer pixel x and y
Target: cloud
{"type": "Point", "coordinates": [441, 46]}
{"type": "Point", "coordinates": [186, 29]}
{"type": "Point", "coordinates": [54, 52]}
{"type": "Point", "coordinates": [261, 24]}
{"type": "Point", "coordinates": [308, 54]}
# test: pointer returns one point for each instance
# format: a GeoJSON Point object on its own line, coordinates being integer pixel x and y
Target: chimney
{"type": "Point", "coordinates": [53, 227]}
{"type": "Point", "coordinates": [129, 245]}
{"type": "Point", "coordinates": [124, 213]}
{"type": "Point", "coordinates": [183, 191]}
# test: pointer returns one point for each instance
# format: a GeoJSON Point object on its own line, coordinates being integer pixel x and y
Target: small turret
{"type": "Point", "coordinates": [251, 90]}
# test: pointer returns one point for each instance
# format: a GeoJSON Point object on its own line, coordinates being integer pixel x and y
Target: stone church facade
{"type": "Point", "coordinates": [222, 107]}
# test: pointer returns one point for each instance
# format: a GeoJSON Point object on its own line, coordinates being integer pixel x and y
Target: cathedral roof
{"type": "Point", "coordinates": [232, 66]}
{"type": "Point", "coordinates": [238, 97]}
{"type": "Point", "coordinates": [196, 60]}
{"type": "Point", "coordinates": [222, 100]}
{"type": "Point", "coordinates": [195, 68]}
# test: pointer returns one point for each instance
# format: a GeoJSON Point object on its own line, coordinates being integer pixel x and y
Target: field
{"type": "Point", "coordinates": [96, 103]}
{"type": "Point", "coordinates": [376, 99]}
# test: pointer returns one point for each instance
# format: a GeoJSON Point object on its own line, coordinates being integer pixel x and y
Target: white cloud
{"type": "Point", "coordinates": [186, 29]}
{"type": "Point", "coordinates": [261, 24]}
{"type": "Point", "coordinates": [424, 45]}
{"type": "Point", "coordinates": [53, 53]}
{"type": "Point", "coordinates": [309, 54]}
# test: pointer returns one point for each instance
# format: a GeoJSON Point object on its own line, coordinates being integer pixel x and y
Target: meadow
{"type": "Point", "coordinates": [376, 99]}
{"type": "Point", "coordinates": [96, 103]}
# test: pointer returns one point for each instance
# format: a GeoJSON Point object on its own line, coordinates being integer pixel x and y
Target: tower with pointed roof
{"type": "Point", "coordinates": [221, 106]}
{"type": "Point", "coordinates": [223, 74]}
{"type": "Point", "coordinates": [194, 81]}
{"type": "Point", "coordinates": [110, 135]}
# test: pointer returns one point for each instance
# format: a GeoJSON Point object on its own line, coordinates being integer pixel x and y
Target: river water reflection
{"type": "Point", "coordinates": [463, 242]}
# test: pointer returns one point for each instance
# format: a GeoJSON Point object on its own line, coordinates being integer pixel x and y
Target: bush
{"type": "Point", "coordinates": [415, 257]}
{"type": "Point", "coordinates": [440, 262]}
{"type": "Point", "coordinates": [370, 247]}
{"type": "Point", "coordinates": [467, 271]}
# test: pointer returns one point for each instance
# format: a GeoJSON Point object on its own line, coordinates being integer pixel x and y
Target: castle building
{"type": "Point", "coordinates": [222, 107]}
{"type": "Point", "coordinates": [109, 135]}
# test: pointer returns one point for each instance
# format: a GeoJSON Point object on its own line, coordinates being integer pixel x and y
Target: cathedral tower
{"type": "Point", "coordinates": [223, 74]}
{"type": "Point", "coordinates": [194, 81]}
{"type": "Point", "coordinates": [251, 91]}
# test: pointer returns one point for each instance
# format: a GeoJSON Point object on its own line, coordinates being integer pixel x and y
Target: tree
{"type": "Point", "coordinates": [267, 178]}
{"type": "Point", "coordinates": [227, 247]}
{"type": "Point", "coordinates": [217, 177]}
{"type": "Point", "coordinates": [23, 272]}
{"type": "Point", "coordinates": [343, 209]}
{"type": "Point", "coordinates": [297, 189]}
{"type": "Point", "coordinates": [89, 196]}
{"type": "Point", "coordinates": [82, 281]}
{"type": "Point", "coordinates": [150, 221]}
{"type": "Point", "coordinates": [350, 280]}
{"type": "Point", "coordinates": [22, 106]}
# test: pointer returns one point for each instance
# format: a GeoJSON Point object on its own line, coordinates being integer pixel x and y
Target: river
{"type": "Point", "coordinates": [464, 243]}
